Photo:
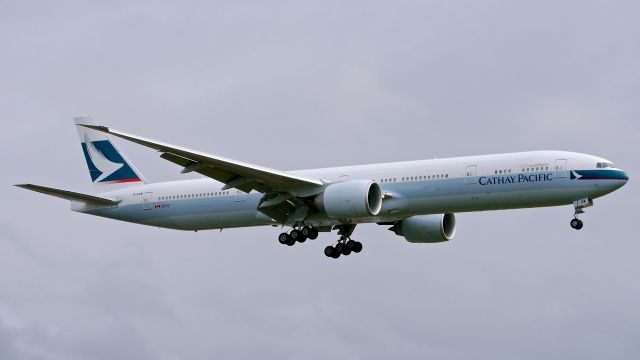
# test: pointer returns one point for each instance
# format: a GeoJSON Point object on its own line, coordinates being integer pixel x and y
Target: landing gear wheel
{"type": "Point", "coordinates": [313, 234]}
{"type": "Point", "coordinates": [328, 251]}
{"type": "Point", "coordinates": [351, 245]}
{"type": "Point", "coordinates": [306, 231]}
{"type": "Point", "coordinates": [340, 248]}
{"type": "Point", "coordinates": [297, 235]}
{"type": "Point", "coordinates": [346, 251]}
{"type": "Point", "coordinates": [331, 252]}
{"type": "Point", "coordinates": [576, 224]}
{"type": "Point", "coordinates": [283, 238]}
{"type": "Point", "coordinates": [355, 246]}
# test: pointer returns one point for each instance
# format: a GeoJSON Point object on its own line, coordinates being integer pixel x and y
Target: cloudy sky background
{"type": "Point", "coordinates": [291, 85]}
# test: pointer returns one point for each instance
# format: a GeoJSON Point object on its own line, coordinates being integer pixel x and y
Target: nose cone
{"type": "Point", "coordinates": [604, 180]}
{"type": "Point", "coordinates": [625, 178]}
{"type": "Point", "coordinates": [619, 179]}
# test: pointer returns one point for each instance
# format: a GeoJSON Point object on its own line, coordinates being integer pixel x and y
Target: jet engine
{"type": "Point", "coordinates": [426, 228]}
{"type": "Point", "coordinates": [350, 199]}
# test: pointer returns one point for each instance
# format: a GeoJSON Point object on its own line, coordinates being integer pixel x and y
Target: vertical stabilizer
{"type": "Point", "coordinates": [108, 167]}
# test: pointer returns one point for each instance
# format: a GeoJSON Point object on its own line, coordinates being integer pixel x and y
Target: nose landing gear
{"type": "Point", "coordinates": [576, 223]}
{"type": "Point", "coordinates": [579, 206]}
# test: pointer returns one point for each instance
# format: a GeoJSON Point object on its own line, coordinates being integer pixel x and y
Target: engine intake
{"type": "Point", "coordinates": [351, 199]}
{"type": "Point", "coordinates": [427, 228]}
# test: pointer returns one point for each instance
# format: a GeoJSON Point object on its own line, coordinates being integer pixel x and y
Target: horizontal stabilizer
{"type": "Point", "coordinates": [70, 195]}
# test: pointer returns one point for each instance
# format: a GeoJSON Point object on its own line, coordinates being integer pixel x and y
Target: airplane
{"type": "Point", "coordinates": [416, 199]}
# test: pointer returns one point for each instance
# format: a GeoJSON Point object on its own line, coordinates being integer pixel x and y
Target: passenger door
{"type": "Point", "coordinates": [470, 174]}
{"type": "Point", "coordinates": [561, 168]}
{"type": "Point", "coordinates": [146, 200]}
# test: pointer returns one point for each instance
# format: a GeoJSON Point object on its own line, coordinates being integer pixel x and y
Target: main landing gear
{"type": "Point", "coordinates": [345, 245]}
{"type": "Point", "coordinates": [298, 235]}
{"type": "Point", "coordinates": [579, 206]}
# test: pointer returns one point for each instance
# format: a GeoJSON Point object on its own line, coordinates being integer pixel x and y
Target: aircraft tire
{"type": "Point", "coordinates": [329, 250]}
{"type": "Point", "coordinates": [577, 224]}
{"type": "Point", "coordinates": [283, 238]}
{"type": "Point", "coordinates": [297, 235]}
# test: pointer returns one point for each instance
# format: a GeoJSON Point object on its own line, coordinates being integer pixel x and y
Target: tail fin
{"type": "Point", "coordinates": [108, 167]}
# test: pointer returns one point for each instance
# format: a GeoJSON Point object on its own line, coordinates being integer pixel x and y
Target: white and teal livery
{"type": "Point", "coordinates": [417, 199]}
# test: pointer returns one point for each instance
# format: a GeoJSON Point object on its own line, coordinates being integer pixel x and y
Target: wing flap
{"type": "Point", "coordinates": [69, 195]}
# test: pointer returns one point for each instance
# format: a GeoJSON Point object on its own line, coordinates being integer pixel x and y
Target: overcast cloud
{"type": "Point", "coordinates": [292, 85]}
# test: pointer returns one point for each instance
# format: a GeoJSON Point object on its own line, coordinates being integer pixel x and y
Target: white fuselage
{"type": "Point", "coordinates": [436, 186]}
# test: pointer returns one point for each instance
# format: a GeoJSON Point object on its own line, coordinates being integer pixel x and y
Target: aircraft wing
{"type": "Point", "coordinates": [234, 174]}
{"type": "Point", "coordinates": [70, 195]}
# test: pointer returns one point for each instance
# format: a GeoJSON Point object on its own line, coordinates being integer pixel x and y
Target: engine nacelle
{"type": "Point", "coordinates": [427, 228]}
{"type": "Point", "coordinates": [351, 199]}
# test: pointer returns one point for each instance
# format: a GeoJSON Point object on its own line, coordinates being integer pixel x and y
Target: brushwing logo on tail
{"type": "Point", "coordinates": [105, 164]}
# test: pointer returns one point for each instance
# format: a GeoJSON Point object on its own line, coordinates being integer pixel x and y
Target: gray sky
{"type": "Point", "coordinates": [290, 85]}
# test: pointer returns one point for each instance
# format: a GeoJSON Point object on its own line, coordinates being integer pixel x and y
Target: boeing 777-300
{"type": "Point", "coordinates": [416, 199]}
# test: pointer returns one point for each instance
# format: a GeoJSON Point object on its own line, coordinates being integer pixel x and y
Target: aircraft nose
{"type": "Point", "coordinates": [625, 177]}
{"type": "Point", "coordinates": [621, 178]}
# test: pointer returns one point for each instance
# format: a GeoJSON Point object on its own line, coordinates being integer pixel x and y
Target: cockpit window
{"type": "Point", "coordinates": [604, 165]}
